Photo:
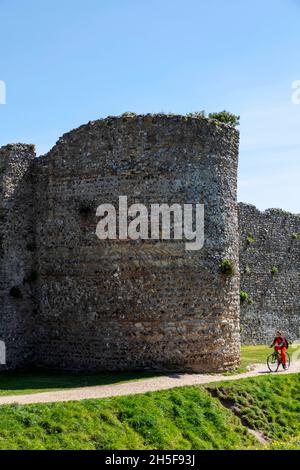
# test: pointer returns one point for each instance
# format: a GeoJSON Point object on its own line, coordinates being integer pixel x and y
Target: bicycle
{"type": "Point", "coordinates": [274, 361]}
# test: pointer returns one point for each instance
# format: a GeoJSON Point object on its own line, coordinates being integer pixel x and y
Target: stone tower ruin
{"type": "Point", "coordinates": [72, 301]}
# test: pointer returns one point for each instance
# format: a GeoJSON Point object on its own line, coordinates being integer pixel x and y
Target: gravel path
{"type": "Point", "coordinates": [135, 387]}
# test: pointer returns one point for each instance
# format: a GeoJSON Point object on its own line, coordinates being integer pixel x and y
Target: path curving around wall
{"type": "Point", "coordinates": [138, 387]}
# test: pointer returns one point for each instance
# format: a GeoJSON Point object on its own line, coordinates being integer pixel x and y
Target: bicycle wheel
{"type": "Point", "coordinates": [272, 362]}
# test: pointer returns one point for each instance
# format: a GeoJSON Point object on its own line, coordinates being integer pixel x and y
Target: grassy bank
{"type": "Point", "coordinates": [269, 404]}
{"type": "Point", "coordinates": [211, 417]}
{"type": "Point", "coordinates": [187, 418]}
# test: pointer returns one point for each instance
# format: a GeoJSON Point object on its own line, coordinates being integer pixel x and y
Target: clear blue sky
{"type": "Point", "coordinates": [66, 62]}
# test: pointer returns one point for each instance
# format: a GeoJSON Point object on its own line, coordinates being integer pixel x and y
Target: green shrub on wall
{"type": "Point", "coordinates": [225, 117]}
{"type": "Point", "coordinates": [197, 114]}
{"type": "Point", "coordinates": [128, 114]}
{"type": "Point", "coordinates": [250, 239]}
{"type": "Point", "coordinates": [274, 270]}
{"type": "Point", "coordinates": [244, 296]}
{"type": "Point", "coordinates": [227, 267]}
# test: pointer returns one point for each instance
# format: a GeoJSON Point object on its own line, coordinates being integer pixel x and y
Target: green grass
{"type": "Point", "coordinates": [292, 444]}
{"type": "Point", "coordinates": [257, 354]}
{"type": "Point", "coordinates": [16, 383]}
{"type": "Point", "coordinates": [254, 355]}
{"type": "Point", "coordinates": [269, 404]}
{"type": "Point", "coordinates": [215, 416]}
{"type": "Point", "coordinates": [183, 418]}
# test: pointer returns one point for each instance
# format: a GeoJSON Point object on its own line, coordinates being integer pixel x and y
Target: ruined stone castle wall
{"type": "Point", "coordinates": [270, 273]}
{"type": "Point", "coordinates": [71, 301]}
{"type": "Point", "coordinates": [137, 304]}
{"type": "Point", "coordinates": [17, 245]}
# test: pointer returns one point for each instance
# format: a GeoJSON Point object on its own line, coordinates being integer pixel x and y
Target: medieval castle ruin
{"type": "Point", "coordinates": [71, 301]}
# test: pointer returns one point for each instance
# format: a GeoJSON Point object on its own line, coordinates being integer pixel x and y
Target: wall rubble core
{"type": "Point", "coordinates": [90, 304]}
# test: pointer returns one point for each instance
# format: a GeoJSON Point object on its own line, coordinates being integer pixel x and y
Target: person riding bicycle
{"type": "Point", "coordinates": [280, 344]}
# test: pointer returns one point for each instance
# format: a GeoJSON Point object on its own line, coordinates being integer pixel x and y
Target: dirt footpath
{"type": "Point", "coordinates": [135, 387]}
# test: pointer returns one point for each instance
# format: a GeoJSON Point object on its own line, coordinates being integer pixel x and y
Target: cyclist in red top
{"type": "Point", "coordinates": [280, 345]}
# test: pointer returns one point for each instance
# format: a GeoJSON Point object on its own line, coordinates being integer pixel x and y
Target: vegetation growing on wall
{"type": "Point", "coordinates": [225, 117]}
{"type": "Point", "coordinates": [128, 114]}
{"type": "Point", "coordinates": [274, 270]}
{"type": "Point", "coordinates": [227, 267]}
{"type": "Point", "coordinates": [250, 239]}
{"type": "Point", "coordinates": [197, 114]}
{"type": "Point", "coordinates": [244, 296]}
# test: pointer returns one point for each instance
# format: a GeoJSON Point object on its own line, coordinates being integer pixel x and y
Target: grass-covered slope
{"type": "Point", "coordinates": [202, 417]}
{"type": "Point", "coordinates": [183, 418]}
{"type": "Point", "coordinates": [270, 404]}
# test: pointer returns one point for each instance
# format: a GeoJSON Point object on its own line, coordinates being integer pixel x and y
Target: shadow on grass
{"type": "Point", "coordinates": [36, 380]}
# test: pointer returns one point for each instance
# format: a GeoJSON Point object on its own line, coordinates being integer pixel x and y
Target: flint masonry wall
{"type": "Point", "coordinates": [71, 301]}
{"type": "Point", "coordinates": [137, 304]}
{"type": "Point", "coordinates": [16, 253]}
{"type": "Point", "coordinates": [269, 242]}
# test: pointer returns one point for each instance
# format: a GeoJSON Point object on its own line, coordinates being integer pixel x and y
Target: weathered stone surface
{"type": "Point", "coordinates": [132, 304]}
{"type": "Point", "coordinates": [16, 257]}
{"type": "Point", "coordinates": [274, 242]}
